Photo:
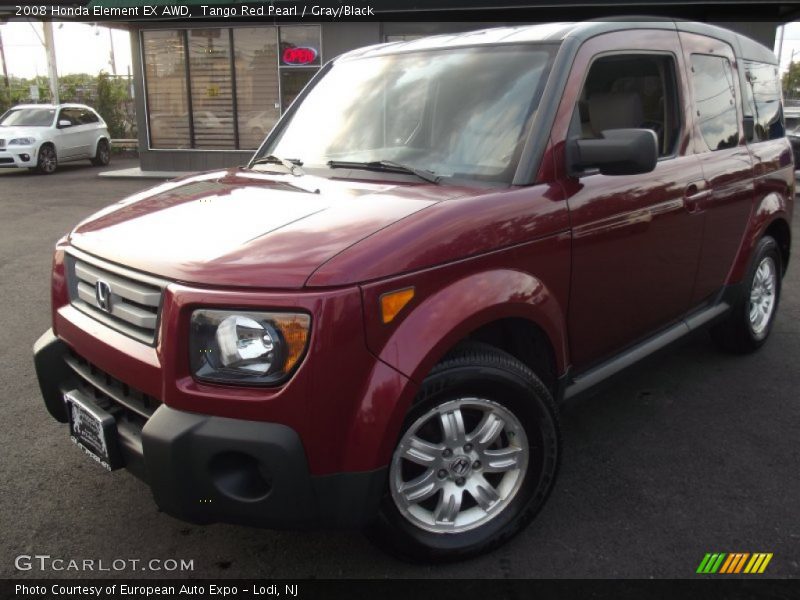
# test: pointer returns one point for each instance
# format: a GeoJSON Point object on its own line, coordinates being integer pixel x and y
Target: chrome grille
{"type": "Point", "coordinates": [125, 300]}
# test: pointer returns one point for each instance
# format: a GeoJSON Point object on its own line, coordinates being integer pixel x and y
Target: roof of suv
{"type": "Point", "coordinates": [558, 32]}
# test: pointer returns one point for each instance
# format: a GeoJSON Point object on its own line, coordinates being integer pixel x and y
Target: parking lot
{"type": "Point", "coordinates": [696, 452]}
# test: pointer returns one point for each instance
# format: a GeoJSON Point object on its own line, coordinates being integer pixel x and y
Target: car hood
{"type": "Point", "coordinates": [246, 228]}
{"type": "Point", "coordinates": [9, 133]}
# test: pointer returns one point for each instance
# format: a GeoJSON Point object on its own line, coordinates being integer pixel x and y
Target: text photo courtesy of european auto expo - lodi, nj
{"type": "Point", "coordinates": [321, 301]}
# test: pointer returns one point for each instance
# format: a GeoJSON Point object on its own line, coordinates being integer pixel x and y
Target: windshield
{"type": "Point", "coordinates": [28, 117]}
{"type": "Point", "coordinates": [456, 112]}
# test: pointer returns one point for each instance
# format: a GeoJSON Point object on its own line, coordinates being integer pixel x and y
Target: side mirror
{"type": "Point", "coordinates": [64, 123]}
{"type": "Point", "coordinates": [618, 152]}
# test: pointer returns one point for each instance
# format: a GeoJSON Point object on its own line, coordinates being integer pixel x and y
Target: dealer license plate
{"type": "Point", "coordinates": [93, 430]}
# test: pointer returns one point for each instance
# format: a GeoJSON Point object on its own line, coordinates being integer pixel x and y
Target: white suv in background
{"type": "Point", "coordinates": [39, 136]}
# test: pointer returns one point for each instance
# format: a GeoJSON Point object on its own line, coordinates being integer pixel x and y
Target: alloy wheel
{"type": "Point", "coordinates": [47, 159]}
{"type": "Point", "coordinates": [459, 465]}
{"type": "Point", "coordinates": [762, 296]}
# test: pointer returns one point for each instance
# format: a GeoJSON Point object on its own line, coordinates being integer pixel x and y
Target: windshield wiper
{"type": "Point", "coordinates": [292, 164]}
{"type": "Point", "coordinates": [389, 166]}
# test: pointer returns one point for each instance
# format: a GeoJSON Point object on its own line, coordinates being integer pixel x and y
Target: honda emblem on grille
{"type": "Point", "coordinates": [102, 293]}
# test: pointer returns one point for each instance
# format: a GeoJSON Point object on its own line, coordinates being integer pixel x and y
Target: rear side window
{"type": "Point", "coordinates": [88, 117]}
{"type": "Point", "coordinates": [765, 90]}
{"type": "Point", "coordinates": [714, 92]}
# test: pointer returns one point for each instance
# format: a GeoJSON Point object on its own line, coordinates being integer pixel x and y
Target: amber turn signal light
{"type": "Point", "coordinates": [393, 302]}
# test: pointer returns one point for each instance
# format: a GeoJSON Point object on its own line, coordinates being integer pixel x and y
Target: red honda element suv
{"type": "Point", "coordinates": [373, 322]}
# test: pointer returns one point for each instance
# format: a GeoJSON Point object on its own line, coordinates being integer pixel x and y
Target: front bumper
{"type": "Point", "coordinates": [15, 157]}
{"type": "Point", "coordinates": [206, 469]}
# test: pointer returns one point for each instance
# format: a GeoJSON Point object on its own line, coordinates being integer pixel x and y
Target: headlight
{"type": "Point", "coordinates": [21, 141]}
{"type": "Point", "coordinates": [247, 347]}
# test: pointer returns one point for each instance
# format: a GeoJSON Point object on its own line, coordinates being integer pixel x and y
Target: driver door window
{"type": "Point", "coordinates": [69, 114]}
{"type": "Point", "coordinates": [630, 91]}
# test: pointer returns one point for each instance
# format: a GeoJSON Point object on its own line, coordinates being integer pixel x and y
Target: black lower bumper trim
{"type": "Point", "coordinates": [52, 372]}
{"type": "Point", "coordinates": [206, 469]}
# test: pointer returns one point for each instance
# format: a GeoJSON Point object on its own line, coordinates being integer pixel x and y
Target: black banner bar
{"type": "Point", "coordinates": [440, 589]}
{"type": "Point", "coordinates": [143, 11]}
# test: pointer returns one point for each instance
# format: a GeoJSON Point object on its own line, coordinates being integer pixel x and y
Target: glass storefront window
{"type": "Point", "coordinates": [300, 46]}
{"type": "Point", "coordinates": [165, 76]}
{"type": "Point", "coordinates": [212, 90]}
{"type": "Point", "coordinates": [292, 83]}
{"type": "Point", "coordinates": [300, 58]}
{"type": "Point", "coordinates": [257, 96]}
{"type": "Point", "coordinates": [239, 82]}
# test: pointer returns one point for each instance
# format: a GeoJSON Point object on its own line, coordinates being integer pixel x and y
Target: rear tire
{"type": "Point", "coordinates": [103, 154]}
{"type": "Point", "coordinates": [750, 321]}
{"type": "Point", "coordinates": [483, 432]}
{"type": "Point", "coordinates": [47, 161]}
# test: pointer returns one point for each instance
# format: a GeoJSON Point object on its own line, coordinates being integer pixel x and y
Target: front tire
{"type": "Point", "coordinates": [477, 458]}
{"type": "Point", "coordinates": [47, 161]}
{"type": "Point", "coordinates": [749, 324]}
{"type": "Point", "coordinates": [102, 155]}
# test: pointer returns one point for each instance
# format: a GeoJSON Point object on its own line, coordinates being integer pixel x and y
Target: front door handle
{"type": "Point", "coordinates": [694, 194]}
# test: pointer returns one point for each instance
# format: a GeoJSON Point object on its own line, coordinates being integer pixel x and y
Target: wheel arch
{"type": "Point", "coordinates": [780, 231]}
{"type": "Point", "coordinates": [770, 216]}
{"type": "Point", "coordinates": [100, 138]}
{"type": "Point", "coordinates": [483, 306]}
{"type": "Point", "coordinates": [511, 310]}
{"type": "Point", "coordinates": [523, 339]}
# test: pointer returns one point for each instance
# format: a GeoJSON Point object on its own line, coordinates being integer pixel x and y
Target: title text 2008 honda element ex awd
{"type": "Point", "coordinates": [372, 323]}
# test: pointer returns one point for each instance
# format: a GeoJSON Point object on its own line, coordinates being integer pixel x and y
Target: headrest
{"type": "Point", "coordinates": [615, 111]}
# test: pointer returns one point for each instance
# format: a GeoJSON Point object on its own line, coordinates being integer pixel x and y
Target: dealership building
{"type": "Point", "coordinates": [208, 92]}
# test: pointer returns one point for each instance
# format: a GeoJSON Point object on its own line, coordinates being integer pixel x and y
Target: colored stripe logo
{"type": "Point", "coordinates": [723, 563]}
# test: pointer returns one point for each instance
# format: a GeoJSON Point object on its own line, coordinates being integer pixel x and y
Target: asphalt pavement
{"type": "Point", "coordinates": [696, 452]}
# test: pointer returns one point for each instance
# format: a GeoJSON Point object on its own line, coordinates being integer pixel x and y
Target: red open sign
{"type": "Point", "coordinates": [299, 56]}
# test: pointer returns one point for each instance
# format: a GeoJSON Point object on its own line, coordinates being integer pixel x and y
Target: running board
{"type": "Point", "coordinates": [592, 377]}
